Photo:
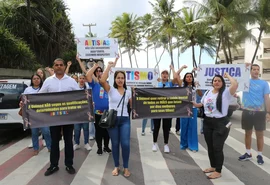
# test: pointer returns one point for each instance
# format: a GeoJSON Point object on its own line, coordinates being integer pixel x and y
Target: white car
{"type": "Point", "coordinates": [10, 92]}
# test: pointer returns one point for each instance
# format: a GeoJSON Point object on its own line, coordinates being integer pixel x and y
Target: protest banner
{"type": "Point", "coordinates": [97, 48]}
{"type": "Point", "coordinates": [161, 102]}
{"type": "Point", "coordinates": [141, 77]}
{"type": "Point", "coordinates": [59, 108]}
{"type": "Point", "coordinates": [240, 72]}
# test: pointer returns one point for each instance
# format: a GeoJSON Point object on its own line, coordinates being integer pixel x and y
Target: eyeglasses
{"type": "Point", "coordinates": [58, 65]}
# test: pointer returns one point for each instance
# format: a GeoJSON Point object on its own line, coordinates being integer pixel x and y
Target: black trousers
{"type": "Point", "coordinates": [215, 134]}
{"type": "Point", "coordinates": [166, 125]}
{"type": "Point", "coordinates": [177, 125]}
{"type": "Point", "coordinates": [101, 133]}
{"type": "Point", "coordinates": [56, 136]}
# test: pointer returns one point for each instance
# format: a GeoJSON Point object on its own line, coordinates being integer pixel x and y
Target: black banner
{"type": "Point", "coordinates": [161, 102]}
{"type": "Point", "coordinates": [59, 108]}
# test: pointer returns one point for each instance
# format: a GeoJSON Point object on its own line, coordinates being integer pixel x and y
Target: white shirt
{"type": "Point", "coordinates": [209, 102]}
{"type": "Point", "coordinates": [53, 84]}
{"type": "Point", "coordinates": [31, 90]}
{"type": "Point", "coordinates": [114, 99]}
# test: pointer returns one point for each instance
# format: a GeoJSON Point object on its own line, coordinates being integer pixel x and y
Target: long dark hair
{"type": "Point", "coordinates": [41, 81]}
{"type": "Point", "coordinates": [114, 83]}
{"type": "Point", "coordinates": [221, 90]}
{"type": "Point", "coordinates": [186, 83]}
{"type": "Point", "coordinates": [96, 70]}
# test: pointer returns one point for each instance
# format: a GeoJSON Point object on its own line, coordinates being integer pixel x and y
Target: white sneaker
{"type": "Point", "coordinates": [76, 147]}
{"type": "Point", "coordinates": [91, 138]}
{"type": "Point", "coordinates": [166, 149]}
{"type": "Point", "coordinates": [155, 147]}
{"type": "Point", "coordinates": [143, 133]}
{"type": "Point", "coordinates": [30, 145]}
{"type": "Point", "coordinates": [87, 147]}
{"type": "Point", "coordinates": [43, 143]}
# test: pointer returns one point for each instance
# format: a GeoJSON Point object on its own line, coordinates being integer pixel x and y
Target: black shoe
{"type": "Point", "coordinates": [107, 150]}
{"type": "Point", "coordinates": [99, 152]}
{"type": "Point", "coordinates": [70, 169]}
{"type": "Point", "coordinates": [51, 170]}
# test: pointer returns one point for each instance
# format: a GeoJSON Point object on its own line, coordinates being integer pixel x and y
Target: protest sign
{"type": "Point", "coordinates": [141, 77]}
{"type": "Point", "coordinates": [240, 72]}
{"type": "Point", "coordinates": [97, 48]}
{"type": "Point", "coordinates": [161, 102]}
{"type": "Point", "coordinates": [60, 108]}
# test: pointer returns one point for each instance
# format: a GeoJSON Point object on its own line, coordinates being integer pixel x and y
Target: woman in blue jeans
{"type": "Point", "coordinates": [120, 134]}
{"type": "Point", "coordinates": [144, 122]}
{"type": "Point", "coordinates": [36, 84]}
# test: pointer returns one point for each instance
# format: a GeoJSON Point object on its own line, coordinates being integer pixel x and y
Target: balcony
{"type": "Point", "coordinates": [265, 57]}
{"type": "Point", "coordinates": [266, 74]}
{"type": "Point", "coordinates": [239, 53]}
{"type": "Point", "coordinates": [266, 39]}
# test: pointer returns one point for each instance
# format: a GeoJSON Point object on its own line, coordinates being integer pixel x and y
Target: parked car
{"type": "Point", "coordinates": [235, 104]}
{"type": "Point", "coordinates": [10, 92]}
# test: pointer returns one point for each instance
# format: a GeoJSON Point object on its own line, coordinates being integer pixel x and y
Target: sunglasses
{"type": "Point", "coordinates": [99, 71]}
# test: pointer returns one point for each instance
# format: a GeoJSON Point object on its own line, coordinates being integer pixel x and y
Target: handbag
{"type": "Point", "coordinates": [108, 117]}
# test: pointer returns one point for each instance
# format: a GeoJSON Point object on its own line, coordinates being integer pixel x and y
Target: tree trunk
{"type": "Point", "coordinates": [229, 48]}
{"type": "Point", "coordinates": [31, 27]}
{"type": "Point", "coordinates": [147, 54]}
{"type": "Point", "coordinates": [160, 58]}
{"type": "Point", "coordinates": [129, 55]}
{"type": "Point", "coordinates": [155, 49]}
{"type": "Point", "coordinates": [120, 56]}
{"type": "Point", "coordinates": [224, 46]}
{"type": "Point", "coordinates": [219, 42]}
{"type": "Point", "coordinates": [258, 44]}
{"type": "Point", "coordinates": [193, 56]}
{"type": "Point", "coordinates": [178, 57]}
{"type": "Point", "coordinates": [136, 60]}
{"type": "Point", "coordinates": [200, 57]}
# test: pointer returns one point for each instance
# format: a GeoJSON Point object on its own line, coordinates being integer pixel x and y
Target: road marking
{"type": "Point", "coordinates": [92, 169]}
{"type": "Point", "coordinates": [155, 169]}
{"type": "Point", "coordinates": [26, 172]}
{"type": "Point", "coordinates": [202, 160]}
{"type": "Point", "coordinates": [12, 150]}
{"type": "Point", "coordinates": [266, 139]}
{"type": "Point", "coordinates": [235, 144]}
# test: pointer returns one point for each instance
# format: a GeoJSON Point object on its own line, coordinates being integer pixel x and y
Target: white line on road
{"type": "Point", "coordinates": [155, 169]}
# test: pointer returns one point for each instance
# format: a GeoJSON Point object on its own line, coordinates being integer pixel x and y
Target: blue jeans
{"type": "Point", "coordinates": [144, 122]}
{"type": "Point", "coordinates": [77, 132]}
{"type": "Point", "coordinates": [120, 134]}
{"type": "Point", "coordinates": [92, 130]}
{"type": "Point", "coordinates": [47, 136]}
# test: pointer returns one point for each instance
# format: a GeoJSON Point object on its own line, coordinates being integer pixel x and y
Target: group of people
{"type": "Point", "coordinates": [216, 124]}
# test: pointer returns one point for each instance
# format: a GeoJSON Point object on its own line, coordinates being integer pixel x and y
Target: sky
{"type": "Point", "coordinates": [103, 12]}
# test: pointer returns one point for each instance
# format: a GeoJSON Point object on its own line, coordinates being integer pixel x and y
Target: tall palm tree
{"type": "Point", "coordinates": [163, 17]}
{"type": "Point", "coordinates": [262, 12]}
{"type": "Point", "coordinates": [126, 29]}
{"type": "Point", "coordinates": [147, 31]}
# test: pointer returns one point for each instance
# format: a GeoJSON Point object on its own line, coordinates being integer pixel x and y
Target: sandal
{"type": "Point", "coordinates": [126, 172]}
{"type": "Point", "coordinates": [214, 175]}
{"type": "Point", "coordinates": [115, 172]}
{"type": "Point", "coordinates": [209, 170]}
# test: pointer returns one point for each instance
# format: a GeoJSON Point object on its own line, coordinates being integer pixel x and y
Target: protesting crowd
{"type": "Point", "coordinates": [214, 122]}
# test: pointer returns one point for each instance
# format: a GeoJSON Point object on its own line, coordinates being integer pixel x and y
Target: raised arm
{"type": "Point", "coordinates": [49, 70]}
{"type": "Point", "coordinates": [81, 64]}
{"type": "Point", "coordinates": [68, 66]}
{"type": "Point", "coordinates": [90, 73]}
{"type": "Point", "coordinates": [234, 84]}
{"type": "Point", "coordinates": [104, 77]}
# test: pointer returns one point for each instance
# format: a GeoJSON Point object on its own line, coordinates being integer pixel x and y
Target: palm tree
{"type": "Point", "coordinates": [147, 31]}
{"type": "Point", "coordinates": [262, 12]}
{"type": "Point", "coordinates": [126, 29]}
{"type": "Point", "coordinates": [163, 17]}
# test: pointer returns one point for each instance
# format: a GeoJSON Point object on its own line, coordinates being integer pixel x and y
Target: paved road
{"type": "Point", "coordinates": [181, 167]}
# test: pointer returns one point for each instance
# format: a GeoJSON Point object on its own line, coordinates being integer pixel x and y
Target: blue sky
{"type": "Point", "coordinates": [103, 12]}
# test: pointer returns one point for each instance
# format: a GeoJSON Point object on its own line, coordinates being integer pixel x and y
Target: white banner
{"type": "Point", "coordinates": [97, 48]}
{"type": "Point", "coordinates": [240, 72]}
{"type": "Point", "coordinates": [141, 77]}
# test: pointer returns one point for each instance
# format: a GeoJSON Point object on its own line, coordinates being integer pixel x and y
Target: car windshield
{"type": "Point", "coordinates": [12, 88]}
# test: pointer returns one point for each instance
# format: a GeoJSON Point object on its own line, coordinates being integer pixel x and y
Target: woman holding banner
{"type": "Point", "coordinates": [189, 135]}
{"type": "Point", "coordinates": [120, 134]}
{"type": "Point", "coordinates": [216, 123]}
{"type": "Point", "coordinates": [36, 84]}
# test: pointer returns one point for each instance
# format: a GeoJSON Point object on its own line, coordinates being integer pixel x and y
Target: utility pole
{"type": "Point", "coordinates": [89, 26]}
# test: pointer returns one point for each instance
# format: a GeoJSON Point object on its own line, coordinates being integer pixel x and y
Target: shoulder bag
{"type": "Point", "coordinates": [108, 117]}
